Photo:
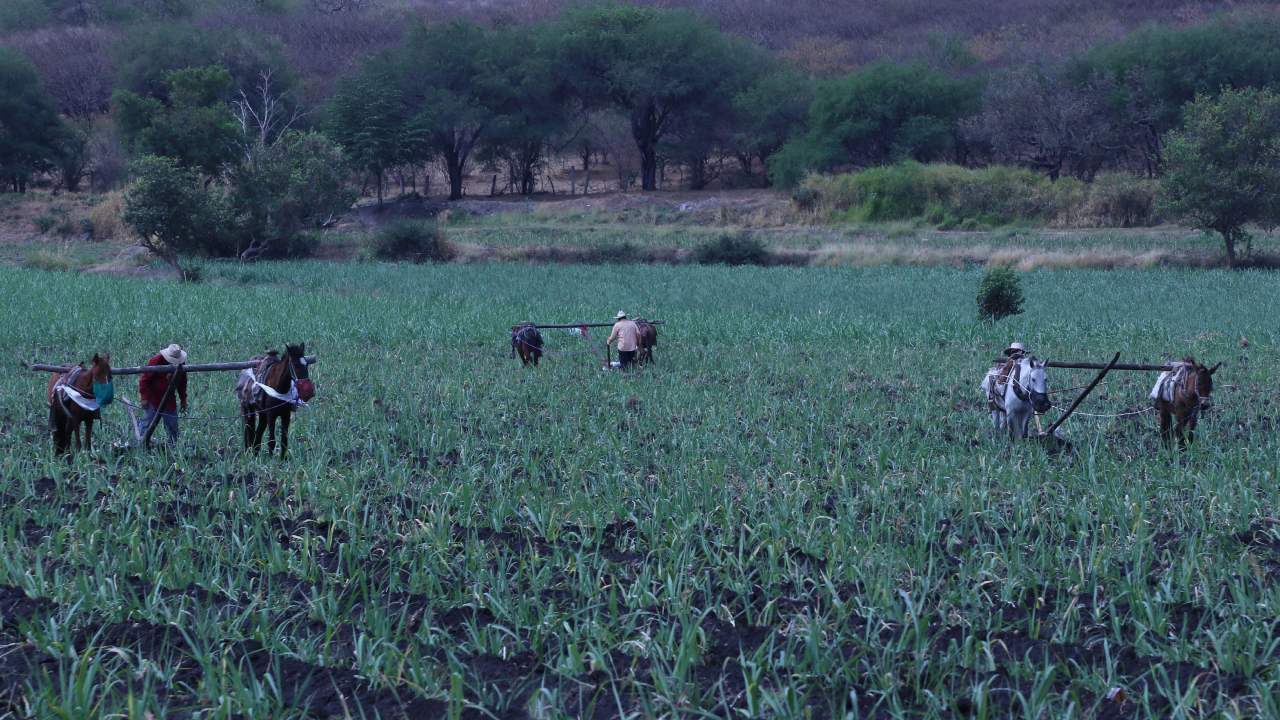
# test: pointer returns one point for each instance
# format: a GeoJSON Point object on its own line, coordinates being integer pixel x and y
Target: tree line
{"type": "Point", "coordinates": [219, 110]}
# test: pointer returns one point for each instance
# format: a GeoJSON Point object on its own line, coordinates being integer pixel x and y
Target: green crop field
{"type": "Point", "coordinates": [800, 511]}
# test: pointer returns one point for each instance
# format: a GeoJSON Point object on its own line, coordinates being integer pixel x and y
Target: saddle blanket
{"type": "Point", "coordinates": [247, 379]}
{"type": "Point", "coordinates": [1167, 383]}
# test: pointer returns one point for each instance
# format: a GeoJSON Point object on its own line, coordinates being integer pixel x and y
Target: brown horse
{"type": "Point", "coordinates": [527, 342]}
{"type": "Point", "coordinates": [1183, 393]}
{"type": "Point", "coordinates": [271, 391]}
{"type": "Point", "coordinates": [648, 340]}
{"type": "Point", "coordinates": [76, 398]}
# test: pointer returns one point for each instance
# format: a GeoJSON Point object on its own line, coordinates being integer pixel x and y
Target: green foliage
{"type": "Point", "coordinates": [440, 94]}
{"type": "Point", "coordinates": [30, 129]}
{"type": "Point", "coordinates": [949, 196]}
{"type": "Point", "coordinates": [771, 387]}
{"type": "Point", "coordinates": [881, 114]}
{"type": "Point", "coordinates": [539, 110]}
{"type": "Point", "coordinates": [1224, 164]}
{"type": "Point", "coordinates": [770, 112]}
{"type": "Point", "coordinates": [411, 241]}
{"type": "Point", "coordinates": [1157, 71]}
{"type": "Point", "coordinates": [733, 249]}
{"type": "Point", "coordinates": [192, 123]}
{"type": "Point", "coordinates": [662, 68]}
{"type": "Point", "coordinates": [281, 190]}
{"type": "Point", "coordinates": [169, 207]}
{"type": "Point", "coordinates": [369, 117]}
{"type": "Point", "coordinates": [147, 56]}
{"type": "Point", "coordinates": [45, 222]}
{"type": "Point", "coordinates": [23, 14]}
{"type": "Point", "coordinates": [1000, 293]}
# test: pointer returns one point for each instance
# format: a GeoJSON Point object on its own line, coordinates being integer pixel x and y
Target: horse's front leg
{"type": "Point", "coordinates": [88, 436]}
{"type": "Point", "coordinates": [271, 435]}
{"type": "Point", "coordinates": [1018, 426]}
{"type": "Point", "coordinates": [1166, 426]}
{"type": "Point", "coordinates": [284, 433]}
{"type": "Point", "coordinates": [1185, 430]}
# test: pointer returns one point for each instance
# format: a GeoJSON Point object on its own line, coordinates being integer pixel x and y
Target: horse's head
{"type": "Point", "coordinates": [296, 356]}
{"type": "Point", "coordinates": [1204, 383]}
{"type": "Point", "coordinates": [100, 372]}
{"type": "Point", "coordinates": [1032, 378]}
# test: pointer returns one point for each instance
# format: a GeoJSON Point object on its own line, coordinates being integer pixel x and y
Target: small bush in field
{"type": "Point", "coordinates": [412, 241]}
{"type": "Point", "coordinates": [1000, 294]}
{"type": "Point", "coordinates": [736, 249]}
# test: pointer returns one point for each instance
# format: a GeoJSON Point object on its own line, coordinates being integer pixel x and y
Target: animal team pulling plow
{"type": "Point", "coordinates": [270, 387]}
{"type": "Point", "coordinates": [1017, 389]}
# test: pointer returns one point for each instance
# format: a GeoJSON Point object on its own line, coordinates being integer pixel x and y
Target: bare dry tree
{"type": "Point", "coordinates": [264, 114]}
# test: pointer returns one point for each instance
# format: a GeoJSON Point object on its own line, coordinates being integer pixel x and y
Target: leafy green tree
{"type": "Point", "coordinates": [282, 189]}
{"type": "Point", "coordinates": [768, 113]}
{"type": "Point", "coordinates": [454, 80]}
{"type": "Point", "coordinates": [1154, 73]}
{"type": "Point", "coordinates": [653, 65]}
{"type": "Point", "coordinates": [146, 57]}
{"type": "Point", "coordinates": [539, 110]}
{"type": "Point", "coordinates": [1223, 165]}
{"type": "Point", "coordinates": [882, 114]}
{"type": "Point", "coordinates": [368, 117]}
{"type": "Point", "coordinates": [193, 123]}
{"type": "Point", "coordinates": [30, 128]}
{"type": "Point", "coordinates": [173, 213]}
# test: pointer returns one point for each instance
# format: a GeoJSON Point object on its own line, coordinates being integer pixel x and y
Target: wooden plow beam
{"type": "Point", "coordinates": [570, 326]}
{"type": "Point", "coordinates": [208, 367]}
{"type": "Point", "coordinates": [1106, 366]}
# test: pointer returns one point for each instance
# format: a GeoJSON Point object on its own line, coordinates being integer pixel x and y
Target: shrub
{"type": "Point", "coordinates": [105, 217]}
{"type": "Point", "coordinates": [1000, 293]}
{"type": "Point", "coordinates": [412, 241]}
{"type": "Point", "coordinates": [1224, 165]}
{"type": "Point", "coordinates": [948, 196]}
{"type": "Point", "coordinates": [51, 260]}
{"type": "Point", "coordinates": [735, 249]}
{"type": "Point", "coordinates": [44, 223]}
{"type": "Point", "coordinates": [1117, 199]}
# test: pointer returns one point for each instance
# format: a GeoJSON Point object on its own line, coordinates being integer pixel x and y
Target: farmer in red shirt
{"type": "Point", "coordinates": [153, 387]}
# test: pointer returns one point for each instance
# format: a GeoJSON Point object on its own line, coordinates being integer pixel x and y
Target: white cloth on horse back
{"type": "Point", "coordinates": [627, 333]}
{"type": "Point", "coordinates": [1168, 382]}
{"type": "Point", "coordinates": [78, 398]}
{"type": "Point", "coordinates": [248, 380]}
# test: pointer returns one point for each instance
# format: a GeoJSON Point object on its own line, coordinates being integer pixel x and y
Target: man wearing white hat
{"type": "Point", "coordinates": [1015, 350]}
{"type": "Point", "coordinates": [627, 333]}
{"type": "Point", "coordinates": [154, 389]}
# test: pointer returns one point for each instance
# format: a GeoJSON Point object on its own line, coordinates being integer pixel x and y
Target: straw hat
{"type": "Point", "coordinates": [620, 316]}
{"type": "Point", "coordinates": [174, 354]}
{"type": "Point", "coordinates": [1014, 348]}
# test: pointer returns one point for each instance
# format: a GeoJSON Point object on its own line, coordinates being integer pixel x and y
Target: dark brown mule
{"type": "Point", "coordinates": [526, 341]}
{"type": "Point", "coordinates": [1183, 393]}
{"type": "Point", "coordinates": [66, 415]}
{"type": "Point", "coordinates": [290, 386]}
{"type": "Point", "coordinates": [648, 340]}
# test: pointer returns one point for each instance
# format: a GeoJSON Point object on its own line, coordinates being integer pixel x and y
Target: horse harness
{"type": "Point", "coordinates": [1170, 382]}
{"type": "Point", "coordinates": [1003, 377]}
{"type": "Point", "coordinates": [254, 390]}
{"type": "Point", "coordinates": [65, 389]}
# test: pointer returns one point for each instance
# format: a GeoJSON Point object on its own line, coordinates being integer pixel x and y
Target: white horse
{"type": "Point", "coordinates": [1015, 391]}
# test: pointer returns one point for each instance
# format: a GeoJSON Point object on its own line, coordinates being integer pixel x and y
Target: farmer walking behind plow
{"type": "Point", "coordinates": [627, 335]}
{"type": "Point", "coordinates": [157, 400]}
